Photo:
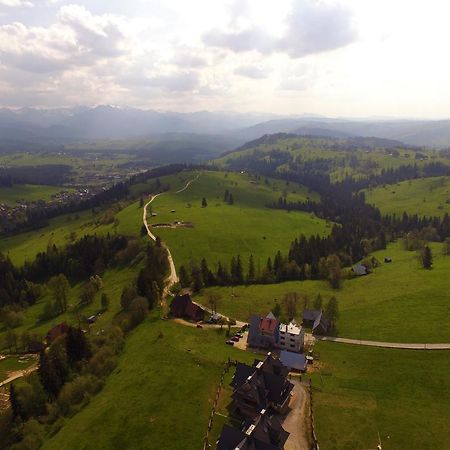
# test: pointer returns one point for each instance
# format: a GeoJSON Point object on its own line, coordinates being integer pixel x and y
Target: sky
{"type": "Point", "coordinates": [349, 58]}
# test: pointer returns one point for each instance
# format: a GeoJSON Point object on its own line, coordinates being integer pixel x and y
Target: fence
{"type": "Point", "coordinates": [226, 368]}
{"type": "Point", "coordinates": [314, 441]}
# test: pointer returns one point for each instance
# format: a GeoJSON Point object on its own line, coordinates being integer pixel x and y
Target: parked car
{"type": "Point", "coordinates": [235, 339]}
{"type": "Point", "coordinates": [239, 335]}
{"type": "Point", "coordinates": [229, 342]}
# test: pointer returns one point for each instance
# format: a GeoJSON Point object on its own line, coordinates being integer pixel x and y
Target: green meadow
{"type": "Point", "coordinates": [399, 301]}
{"type": "Point", "coordinates": [12, 364]}
{"type": "Point", "coordinates": [159, 396]}
{"type": "Point", "coordinates": [404, 395]}
{"type": "Point", "coordinates": [221, 230]}
{"type": "Point", "coordinates": [423, 196]}
{"type": "Point", "coordinates": [29, 192]}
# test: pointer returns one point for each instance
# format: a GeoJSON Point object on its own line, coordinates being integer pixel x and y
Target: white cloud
{"type": "Point", "coordinates": [252, 71]}
{"type": "Point", "coordinates": [311, 27]}
{"type": "Point", "coordinates": [15, 3]}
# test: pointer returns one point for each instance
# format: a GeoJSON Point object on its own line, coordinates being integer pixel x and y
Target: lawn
{"type": "Point", "coordinates": [160, 395]}
{"type": "Point", "coordinates": [423, 196]}
{"type": "Point", "coordinates": [29, 192]}
{"type": "Point", "coordinates": [222, 230]}
{"type": "Point", "coordinates": [404, 395]}
{"type": "Point", "coordinates": [399, 302]}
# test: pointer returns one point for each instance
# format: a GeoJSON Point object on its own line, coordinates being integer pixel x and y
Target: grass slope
{"type": "Point", "coordinates": [424, 196]}
{"type": "Point", "coordinates": [221, 230]}
{"type": "Point", "coordinates": [29, 192]}
{"type": "Point", "coordinates": [402, 394]}
{"type": "Point", "coordinates": [399, 302]}
{"type": "Point", "coordinates": [160, 395]}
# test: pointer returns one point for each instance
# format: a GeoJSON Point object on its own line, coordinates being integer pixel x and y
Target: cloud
{"type": "Point", "coordinates": [175, 82]}
{"type": "Point", "coordinates": [252, 71]}
{"type": "Point", "coordinates": [189, 59]}
{"type": "Point", "coordinates": [311, 27]}
{"type": "Point", "coordinates": [15, 3]}
{"type": "Point", "coordinates": [77, 38]}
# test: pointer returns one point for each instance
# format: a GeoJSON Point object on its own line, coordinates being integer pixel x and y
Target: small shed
{"type": "Point", "coordinates": [360, 270]}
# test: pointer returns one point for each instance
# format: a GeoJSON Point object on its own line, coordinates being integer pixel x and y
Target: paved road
{"type": "Point", "coordinates": [410, 346]}
{"type": "Point", "coordinates": [173, 277]}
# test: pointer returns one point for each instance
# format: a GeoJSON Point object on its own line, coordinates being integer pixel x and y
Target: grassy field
{"type": "Point", "coordinates": [398, 302]}
{"type": "Point", "coordinates": [424, 196]}
{"type": "Point", "coordinates": [222, 230]}
{"type": "Point", "coordinates": [29, 192]}
{"type": "Point", "coordinates": [402, 394]}
{"type": "Point", "coordinates": [160, 395]}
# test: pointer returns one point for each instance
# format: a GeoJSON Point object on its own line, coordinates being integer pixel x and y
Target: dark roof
{"type": "Point", "coordinates": [265, 432]}
{"type": "Point", "coordinates": [241, 374]}
{"type": "Point", "coordinates": [57, 330]}
{"type": "Point", "coordinates": [292, 360]}
{"type": "Point", "coordinates": [311, 314]}
{"type": "Point", "coordinates": [183, 306]}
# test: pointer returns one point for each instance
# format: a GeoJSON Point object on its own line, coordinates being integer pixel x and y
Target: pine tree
{"type": "Point", "coordinates": [14, 402]}
{"type": "Point", "coordinates": [230, 199]}
{"type": "Point", "coordinates": [251, 270]}
{"type": "Point", "coordinates": [318, 302]}
{"type": "Point", "coordinates": [427, 257]}
{"type": "Point", "coordinates": [239, 271]}
{"type": "Point", "coordinates": [205, 272]}
{"type": "Point", "coordinates": [225, 197]}
{"type": "Point", "coordinates": [184, 277]}
{"type": "Point", "coordinates": [204, 202]}
{"type": "Point", "coordinates": [197, 282]}
{"type": "Point", "coordinates": [77, 346]}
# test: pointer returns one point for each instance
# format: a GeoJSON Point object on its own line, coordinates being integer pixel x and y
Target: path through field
{"type": "Point", "coordinates": [410, 346]}
{"type": "Point", "coordinates": [173, 277]}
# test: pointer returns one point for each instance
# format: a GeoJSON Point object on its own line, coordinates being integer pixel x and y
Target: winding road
{"type": "Point", "coordinates": [173, 277]}
{"type": "Point", "coordinates": [410, 346]}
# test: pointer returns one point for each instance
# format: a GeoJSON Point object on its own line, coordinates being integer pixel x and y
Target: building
{"type": "Point", "coordinates": [183, 306]}
{"type": "Point", "coordinates": [360, 270]}
{"type": "Point", "coordinates": [265, 432]}
{"type": "Point", "coordinates": [314, 319]}
{"type": "Point", "coordinates": [268, 333]}
{"type": "Point", "coordinates": [57, 331]}
{"type": "Point", "coordinates": [291, 337]}
{"type": "Point", "coordinates": [263, 386]}
{"type": "Point", "coordinates": [294, 361]}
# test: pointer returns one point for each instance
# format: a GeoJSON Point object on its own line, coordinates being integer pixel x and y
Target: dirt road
{"type": "Point", "coordinates": [173, 277]}
{"type": "Point", "coordinates": [18, 374]}
{"type": "Point", "coordinates": [297, 423]}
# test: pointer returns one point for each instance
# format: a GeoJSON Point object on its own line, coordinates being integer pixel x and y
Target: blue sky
{"type": "Point", "coordinates": [352, 58]}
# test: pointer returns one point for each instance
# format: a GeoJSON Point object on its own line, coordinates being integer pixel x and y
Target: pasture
{"type": "Point", "coordinates": [403, 395]}
{"type": "Point", "coordinates": [423, 196]}
{"type": "Point", "coordinates": [221, 230]}
{"type": "Point", "coordinates": [159, 396]}
{"type": "Point", "coordinates": [398, 302]}
{"type": "Point", "coordinates": [28, 192]}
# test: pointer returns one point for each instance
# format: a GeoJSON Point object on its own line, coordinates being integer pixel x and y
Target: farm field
{"type": "Point", "coordinates": [113, 282]}
{"type": "Point", "coordinates": [220, 230]}
{"type": "Point", "coordinates": [399, 302]}
{"type": "Point", "coordinates": [29, 192]}
{"type": "Point", "coordinates": [166, 372]}
{"type": "Point", "coordinates": [402, 394]}
{"type": "Point", "coordinates": [423, 196]}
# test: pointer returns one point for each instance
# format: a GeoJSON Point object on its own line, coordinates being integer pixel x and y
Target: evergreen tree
{"type": "Point", "coordinates": [77, 346]}
{"type": "Point", "coordinates": [318, 302]}
{"type": "Point", "coordinates": [230, 199]}
{"type": "Point", "coordinates": [14, 402]}
{"type": "Point", "coordinates": [141, 202]}
{"type": "Point", "coordinates": [225, 197]}
{"type": "Point", "coordinates": [197, 281]}
{"type": "Point", "coordinates": [251, 270]}
{"type": "Point", "coordinates": [427, 257]}
{"type": "Point", "coordinates": [184, 277]}
{"type": "Point", "coordinates": [205, 272]}
{"type": "Point", "coordinates": [204, 202]}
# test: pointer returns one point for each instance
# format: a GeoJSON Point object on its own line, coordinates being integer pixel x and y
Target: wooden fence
{"type": "Point", "coordinates": [314, 441]}
{"type": "Point", "coordinates": [226, 368]}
